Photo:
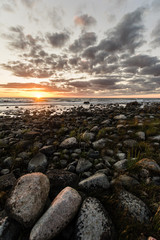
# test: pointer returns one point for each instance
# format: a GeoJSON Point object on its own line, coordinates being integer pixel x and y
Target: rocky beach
{"type": "Point", "coordinates": [85, 174]}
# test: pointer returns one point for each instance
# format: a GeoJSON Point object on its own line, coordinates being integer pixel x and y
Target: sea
{"type": "Point", "coordinates": [16, 106]}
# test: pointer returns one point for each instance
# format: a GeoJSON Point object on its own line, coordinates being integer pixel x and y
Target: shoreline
{"type": "Point", "coordinates": [106, 152]}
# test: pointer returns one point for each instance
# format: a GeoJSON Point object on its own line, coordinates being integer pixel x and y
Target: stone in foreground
{"type": "Point", "coordinates": [95, 182]}
{"type": "Point", "coordinates": [28, 198]}
{"type": "Point", "coordinates": [93, 222]}
{"type": "Point", "coordinates": [60, 213]}
{"type": "Point", "coordinates": [134, 208]}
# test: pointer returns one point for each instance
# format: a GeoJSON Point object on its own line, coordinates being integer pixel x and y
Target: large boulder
{"type": "Point", "coordinates": [28, 198]}
{"type": "Point", "coordinates": [98, 181]}
{"type": "Point", "coordinates": [38, 161]}
{"type": "Point", "coordinates": [93, 222]}
{"type": "Point", "coordinates": [62, 210]}
{"type": "Point", "coordinates": [69, 142]}
{"type": "Point", "coordinates": [133, 208]}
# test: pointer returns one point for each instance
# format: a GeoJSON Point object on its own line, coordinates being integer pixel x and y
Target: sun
{"type": "Point", "coordinates": [38, 95]}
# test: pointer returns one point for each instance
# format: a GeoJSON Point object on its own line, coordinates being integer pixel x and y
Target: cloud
{"type": "Point", "coordinates": [156, 36]}
{"type": "Point", "coordinates": [151, 70]}
{"type": "Point", "coordinates": [17, 40]}
{"type": "Point", "coordinates": [132, 70]}
{"type": "Point", "coordinates": [21, 85]}
{"type": "Point", "coordinates": [58, 40]}
{"type": "Point", "coordinates": [85, 40]}
{"type": "Point", "coordinates": [29, 3]}
{"type": "Point", "coordinates": [85, 20]}
{"type": "Point", "coordinates": [127, 35]}
{"type": "Point", "coordinates": [140, 61]}
{"type": "Point", "coordinates": [7, 7]}
{"type": "Point", "coordinates": [156, 5]}
{"type": "Point", "coordinates": [74, 60]}
{"type": "Point", "coordinates": [45, 86]}
{"type": "Point", "coordinates": [20, 69]}
{"type": "Point", "coordinates": [55, 16]}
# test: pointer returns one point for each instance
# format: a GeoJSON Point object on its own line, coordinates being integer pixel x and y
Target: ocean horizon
{"type": "Point", "coordinates": [11, 106]}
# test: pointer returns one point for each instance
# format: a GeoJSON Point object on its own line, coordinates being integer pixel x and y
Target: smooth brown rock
{"type": "Point", "coordinates": [28, 198]}
{"type": "Point", "coordinates": [60, 213]}
{"type": "Point", "coordinates": [149, 164]}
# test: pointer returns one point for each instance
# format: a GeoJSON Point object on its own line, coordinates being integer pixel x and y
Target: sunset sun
{"type": "Point", "coordinates": [38, 95]}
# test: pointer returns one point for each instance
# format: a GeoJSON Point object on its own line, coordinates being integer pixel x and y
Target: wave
{"type": "Point", "coordinates": [71, 101]}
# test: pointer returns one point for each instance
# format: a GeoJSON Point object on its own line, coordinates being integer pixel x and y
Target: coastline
{"type": "Point", "coordinates": [98, 143]}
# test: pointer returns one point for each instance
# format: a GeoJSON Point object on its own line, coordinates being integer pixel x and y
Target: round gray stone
{"type": "Point", "coordinates": [95, 182]}
{"type": "Point", "coordinates": [28, 198]}
{"type": "Point", "coordinates": [39, 160]}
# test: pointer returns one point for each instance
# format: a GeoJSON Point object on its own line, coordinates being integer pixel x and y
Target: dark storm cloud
{"type": "Point", "coordinates": [156, 36]}
{"type": "Point", "coordinates": [108, 82]}
{"type": "Point", "coordinates": [85, 20]}
{"type": "Point", "coordinates": [127, 35]}
{"type": "Point", "coordinates": [80, 84]}
{"type": "Point", "coordinates": [74, 60]}
{"type": "Point", "coordinates": [104, 69]}
{"type": "Point", "coordinates": [96, 84]}
{"type": "Point", "coordinates": [140, 61]}
{"type": "Point", "coordinates": [132, 70]}
{"type": "Point", "coordinates": [85, 40]}
{"type": "Point", "coordinates": [145, 84]}
{"type": "Point", "coordinates": [42, 53]}
{"type": "Point", "coordinates": [58, 39]}
{"type": "Point", "coordinates": [151, 70]}
{"type": "Point", "coordinates": [90, 52]}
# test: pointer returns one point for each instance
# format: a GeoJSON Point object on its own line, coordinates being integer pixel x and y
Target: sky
{"type": "Point", "coordinates": [82, 48]}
